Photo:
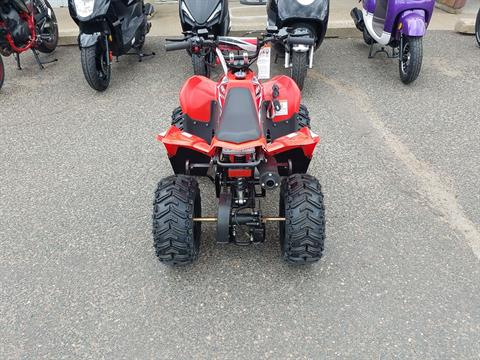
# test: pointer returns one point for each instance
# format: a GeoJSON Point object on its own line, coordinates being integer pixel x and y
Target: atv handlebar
{"type": "Point", "coordinates": [180, 45]}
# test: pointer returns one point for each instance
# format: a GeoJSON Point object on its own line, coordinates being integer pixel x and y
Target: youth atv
{"type": "Point", "coordinates": [249, 138]}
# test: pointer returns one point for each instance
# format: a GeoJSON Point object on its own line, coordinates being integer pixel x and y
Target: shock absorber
{"type": "Point", "coordinates": [241, 186]}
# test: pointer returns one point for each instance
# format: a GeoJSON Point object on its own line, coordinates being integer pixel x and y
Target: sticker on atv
{"type": "Point", "coordinates": [263, 62]}
{"type": "Point", "coordinates": [283, 108]}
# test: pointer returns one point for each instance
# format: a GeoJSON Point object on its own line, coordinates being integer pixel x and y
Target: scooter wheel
{"type": "Point", "coordinates": [2, 72]}
{"type": "Point", "coordinates": [299, 67]}
{"type": "Point", "coordinates": [410, 61]}
{"type": "Point", "coordinates": [200, 66]}
{"type": "Point", "coordinates": [477, 28]}
{"type": "Point", "coordinates": [302, 234]}
{"type": "Point", "coordinates": [95, 67]}
{"type": "Point", "coordinates": [176, 236]}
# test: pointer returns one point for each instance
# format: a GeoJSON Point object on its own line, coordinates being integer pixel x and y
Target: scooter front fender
{"type": "Point", "coordinates": [412, 23]}
{"type": "Point", "coordinates": [87, 40]}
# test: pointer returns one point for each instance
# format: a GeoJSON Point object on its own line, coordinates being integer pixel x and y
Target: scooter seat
{"type": "Point", "coordinates": [239, 121]}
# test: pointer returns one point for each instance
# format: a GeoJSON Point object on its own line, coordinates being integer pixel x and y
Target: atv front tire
{"type": "Point", "coordinates": [302, 234]}
{"type": "Point", "coordinates": [176, 236]}
{"type": "Point", "coordinates": [303, 117]}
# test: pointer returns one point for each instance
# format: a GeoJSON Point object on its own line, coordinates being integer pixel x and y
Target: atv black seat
{"type": "Point", "coordinates": [239, 120]}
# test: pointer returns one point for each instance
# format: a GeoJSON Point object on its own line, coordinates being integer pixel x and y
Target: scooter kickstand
{"type": "Point", "coordinates": [17, 57]}
{"type": "Point", "coordinates": [382, 50]}
{"type": "Point", "coordinates": [142, 55]}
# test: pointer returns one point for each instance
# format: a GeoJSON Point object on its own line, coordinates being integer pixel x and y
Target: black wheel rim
{"type": "Point", "coordinates": [48, 31]}
{"type": "Point", "coordinates": [102, 64]}
{"type": "Point", "coordinates": [406, 57]}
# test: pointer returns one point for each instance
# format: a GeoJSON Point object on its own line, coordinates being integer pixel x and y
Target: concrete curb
{"type": "Point", "coordinates": [465, 26]}
{"type": "Point", "coordinates": [69, 38]}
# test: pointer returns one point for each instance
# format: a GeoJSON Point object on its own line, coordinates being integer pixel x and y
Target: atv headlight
{"type": "Point", "coordinates": [187, 12]}
{"type": "Point", "coordinates": [84, 8]}
{"type": "Point", "coordinates": [217, 11]}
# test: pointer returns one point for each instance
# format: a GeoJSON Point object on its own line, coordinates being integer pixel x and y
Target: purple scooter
{"type": "Point", "coordinates": [400, 24]}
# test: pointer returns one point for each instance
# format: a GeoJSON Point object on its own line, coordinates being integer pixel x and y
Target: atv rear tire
{"type": "Point", "coordinates": [200, 66]}
{"type": "Point", "coordinates": [176, 236]}
{"type": "Point", "coordinates": [302, 234]}
{"type": "Point", "coordinates": [299, 67]}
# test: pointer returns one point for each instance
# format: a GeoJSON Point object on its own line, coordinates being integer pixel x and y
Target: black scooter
{"type": "Point", "coordinates": [108, 28]}
{"type": "Point", "coordinates": [204, 18]}
{"type": "Point", "coordinates": [305, 21]}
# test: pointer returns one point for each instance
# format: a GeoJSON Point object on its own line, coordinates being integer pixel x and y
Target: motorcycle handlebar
{"type": "Point", "coordinates": [181, 45]}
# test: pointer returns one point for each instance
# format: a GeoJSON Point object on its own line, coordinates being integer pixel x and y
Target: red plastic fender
{"type": "Point", "coordinates": [196, 97]}
{"type": "Point", "coordinates": [288, 92]}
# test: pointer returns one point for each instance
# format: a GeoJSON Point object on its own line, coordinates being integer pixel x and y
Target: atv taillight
{"type": "Point", "coordinates": [239, 173]}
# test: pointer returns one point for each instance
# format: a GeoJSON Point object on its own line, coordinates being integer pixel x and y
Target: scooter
{"type": "Point", "coordinates": [26, 25]}
{"type": "Point", "coordinates": [109, 28]}
{"type": "Point", "coordinates": [305, 21]}
{"type": "Point", "coordinates": [204, 18]}
{"type": "Point", "coordinates": [399, 24]}
{"type": "Point", "coordinates": [249, 138]}
{"type": "Point", "coordinates": [477, 28]}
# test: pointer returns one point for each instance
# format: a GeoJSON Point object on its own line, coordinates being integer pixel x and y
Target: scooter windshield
{"type": "Point", "coordinates": [303, 9]}
{"type": "Point", "coordinates": [202, 10]}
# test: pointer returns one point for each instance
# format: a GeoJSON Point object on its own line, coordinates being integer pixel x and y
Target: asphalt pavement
{"type": "Point", "coordinates": [400, 169]}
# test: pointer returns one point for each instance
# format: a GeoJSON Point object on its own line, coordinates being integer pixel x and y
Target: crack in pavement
{"type": "Point", "coordinates": [440, 197]}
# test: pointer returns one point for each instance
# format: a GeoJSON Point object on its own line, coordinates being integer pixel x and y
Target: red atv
{"type": "Point", "coordinates": [248, 138]}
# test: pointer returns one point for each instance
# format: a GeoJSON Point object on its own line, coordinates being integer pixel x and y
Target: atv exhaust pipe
{"type": "Point", "coordinates": [269, 177]}
{"type": "Point", "coordinates": [270, 180]}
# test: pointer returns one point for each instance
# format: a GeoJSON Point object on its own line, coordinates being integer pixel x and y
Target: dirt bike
{"type": "Point", "coordinates": [26, 25]}
{"type": "Point", "coordinates": [248, 138]}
